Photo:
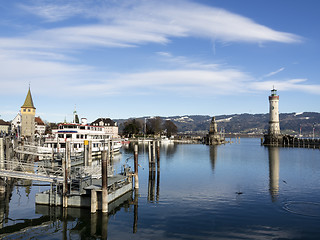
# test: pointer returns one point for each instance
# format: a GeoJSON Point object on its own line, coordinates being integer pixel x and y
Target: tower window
{"type": "Point", "coordinates": [28, 110]}
{"type": "Point", "coordinates": [24, 109]}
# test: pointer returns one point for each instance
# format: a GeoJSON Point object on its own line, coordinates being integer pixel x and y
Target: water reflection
{"type": "Point", "coordinates": [135, 210]}
{"type": "Point", "coordinates": [6, 188]}
{"type": "Point", "coordinates": [273, 172]}
{"type": "Point", "coordinates": [213, 156]}
{"type": "Point", "coordinates": [69, 222]}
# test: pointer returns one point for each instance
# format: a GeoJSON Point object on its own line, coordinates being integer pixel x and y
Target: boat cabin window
{"type": "Point", "coordinates": [60, 135]}
{"type": "Point", "coordinates": [68, 135]}
{"type": "Point", "coordinates": [82, 127]}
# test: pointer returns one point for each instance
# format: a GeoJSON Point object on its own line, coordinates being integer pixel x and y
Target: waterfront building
{"type": "Point", "coordinates": [110, 127]}
{"type": "Point", "coordinates": [4, 127]}
{"type": "Point", "coordinates": [28, 112]}
{"type": "Point", "coordinates": [40, 127]}
{"type": "Point", "coordinates": [16, 124]}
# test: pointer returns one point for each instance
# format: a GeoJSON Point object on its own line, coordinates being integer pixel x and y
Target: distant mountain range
{"type": "Point", "coordinates": [252, 124]}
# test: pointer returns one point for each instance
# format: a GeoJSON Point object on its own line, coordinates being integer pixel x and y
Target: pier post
{"type": "Point", "coordinates": [65, 182]}
{"type": "Point", "coordinates": [112, 150]}
{"type": "Point", "coordinates": [93, 224]}
{"type": "Point", "coordinates": [109, 151]}
{"type": "Point", "coordinates": [104, 169]}
{"type": "Point", "coordinates": [90, 153]}
{"type": "Point", "coordinates": [136, 178]}
{"type": "Point", "coordinates": [154, 151]}
{"type": "Point", "coordinates": [135, 210]}
{"type": "Point", "coordinates": [104, 226]}
{"type": "Point", "coordinates": [158, 187]}
{"type": "Point", "coordinates": [1, 153]}
{"type": "Point", "coordinates": [68, 155]}
{"type": "Point", "coordinates": [85, 147]}
{"type": "Point", "coordinates": [93, 201]}
{"type": "Point", "coordinates": [158, 156]}
{"type": "Point", "coordinates": [149, 153]}
{"type": "Point", "coordinates": [51, 198]}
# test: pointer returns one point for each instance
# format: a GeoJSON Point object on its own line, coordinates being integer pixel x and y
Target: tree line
{"type": "Point", "coordinates": [152, 126]}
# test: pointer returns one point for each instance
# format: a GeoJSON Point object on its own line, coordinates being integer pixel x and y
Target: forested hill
{"type": "Point", "coordinates": [290, 123]}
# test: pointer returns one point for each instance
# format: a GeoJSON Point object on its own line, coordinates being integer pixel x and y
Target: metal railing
{"type": "Point", "coordinates": [33, 170]}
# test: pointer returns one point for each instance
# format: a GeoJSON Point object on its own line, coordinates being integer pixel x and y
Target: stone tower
{"type": "Point", "coordinates": [28, 112]}
{"type": "Point", "coordinates": [274, 126]}
{"type": "Point", "coordinates": [213, 137]}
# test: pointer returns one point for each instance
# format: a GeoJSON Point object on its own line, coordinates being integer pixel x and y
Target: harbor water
{"type": "Point", "coordinates": [234, 191]}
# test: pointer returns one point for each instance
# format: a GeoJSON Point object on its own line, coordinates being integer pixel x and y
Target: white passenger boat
{"type": "Point", "coordinates": [79, 136]}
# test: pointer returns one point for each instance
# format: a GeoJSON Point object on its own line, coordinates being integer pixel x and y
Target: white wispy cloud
{"type": "Point", "coordinates": [299, 85]}
{"type": "Point", "coordinates": [46, 56]}
{"type": "Point", "coordinates": [182, 61]}
{"type": "Point", "coordinates": [274, 73]}
{"type": "Point", "coordinates": [131, 23]}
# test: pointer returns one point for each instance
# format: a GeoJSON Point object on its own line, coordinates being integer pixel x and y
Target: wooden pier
{"type": "Point", "coordinates": [74, 182]}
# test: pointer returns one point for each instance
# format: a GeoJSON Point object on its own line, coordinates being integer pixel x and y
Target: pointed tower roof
{"type": "Point", "coordinates": [28, 103]}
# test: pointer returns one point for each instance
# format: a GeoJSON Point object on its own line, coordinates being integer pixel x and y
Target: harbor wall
{"type": "Point", "coordinates": [291, 141]}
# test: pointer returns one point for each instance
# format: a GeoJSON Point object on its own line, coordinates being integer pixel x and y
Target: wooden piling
{"type": "Point", "coordinates": [109, 151]}
{"type": "Point", "coordinates": [112, 150]}
{"type": "Point", "coordinates": [153, 151]}
{"type": "Point", "coordinates": [1, 154]}
{"type": "Point", "coordinates": [104, 173]}
{"type": "Point", "coordinates": [158, 156]}
{"type": "Point", "coordinates": [104, 226]}
{"type": "Point", "coordinates": [136, 178]}
{"type": "Point", "coordinates": [85, 148]}
{"type": "Point", "coordinates": [65, 182]}
{"type": "Point", "coordinates": [93, 201]}
{"type": "Point", "coordinates": [68, 155]}
{"type": "Point", "coordinates": [93, 224]}
{"type": "Point", "coordinates": [150, 156]}
{"type": "Point", "coordinates": [135, 211]}
{"type": "Point", "coordinates": [89, 153]}
{"type": "Point", "coordinates": [158, 187]}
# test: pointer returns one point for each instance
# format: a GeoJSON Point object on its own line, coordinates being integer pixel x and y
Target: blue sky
{"type": "Point", "coordinates": [134, 58]}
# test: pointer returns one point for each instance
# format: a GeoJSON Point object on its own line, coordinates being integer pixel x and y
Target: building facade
{"type": "Point", "coordinates": [4, 127]}
{"type": "Point", "coordinates": [110, 127]}
{"type": "Point", "coordinates": [40, 127]}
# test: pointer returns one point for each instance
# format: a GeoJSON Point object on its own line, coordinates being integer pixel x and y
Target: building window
{"type": "Point", "coordinates": [68, 135]}
{"type": "Point", "coordinates": [28, 110]}
{"type": "Point", "coordinates": [24, 109]}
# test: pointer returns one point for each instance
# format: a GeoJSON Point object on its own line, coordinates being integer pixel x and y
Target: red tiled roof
{"type": "Point", "coordinates": [38, 121]}
{"type": "Point", "coordinates": [4, 122]}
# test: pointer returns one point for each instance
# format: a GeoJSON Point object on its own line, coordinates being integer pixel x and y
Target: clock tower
{"type": "Point", "coordinates": [28, 112]}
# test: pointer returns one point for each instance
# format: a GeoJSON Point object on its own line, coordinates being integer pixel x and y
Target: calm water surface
{"type": "Point", "coordinates": [234, 191]}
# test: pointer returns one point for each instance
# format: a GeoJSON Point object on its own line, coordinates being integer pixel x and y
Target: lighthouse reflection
{"type": "Point", "coordinates": [213, 156]}
{"type": "Point", "coordinates": [274, 172]}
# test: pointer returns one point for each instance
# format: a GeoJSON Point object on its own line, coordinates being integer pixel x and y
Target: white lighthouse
{"type": "Point", "coordinates": [274, 126]}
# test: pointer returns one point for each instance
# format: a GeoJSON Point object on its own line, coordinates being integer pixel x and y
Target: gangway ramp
{"type": "Point", "coordinates": [31, 171]}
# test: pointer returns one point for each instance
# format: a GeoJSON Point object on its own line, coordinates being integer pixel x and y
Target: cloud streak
{"type": "Point", "coordinates": [132, 23]}
{"type": "Point", "coordinates": [274, 73]}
